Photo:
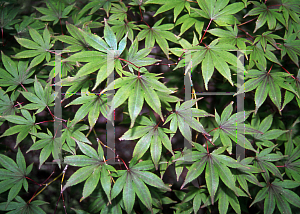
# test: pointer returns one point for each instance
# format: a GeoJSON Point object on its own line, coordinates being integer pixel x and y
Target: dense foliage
{"type": "Point", "coordinates": [111, 54]}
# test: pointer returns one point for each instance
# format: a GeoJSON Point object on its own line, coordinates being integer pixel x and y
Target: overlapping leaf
{"type": "Point", "coordinates": [73, 132]}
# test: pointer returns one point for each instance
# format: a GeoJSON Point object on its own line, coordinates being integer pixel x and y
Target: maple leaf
{"type": "Point", "coordinates": [13, 176]}
{"type": "Point", "coordinates": [39, 47]}
{"type": "Point", "coordinates": [55, 11]}
{"type": "Point", "coordinates": [159, 34]}
{"type": "Point", "coordinates": [15, 74]}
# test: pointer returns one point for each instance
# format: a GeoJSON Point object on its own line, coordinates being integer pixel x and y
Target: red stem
{"type": "Point", "coordinates": [34, 181]}
{"type": "Point", "coordinates": [205, 31]}
{"type": "Point", "coordinates": [270, 69]}
{"type": "Point", "coordinates": [129, 62]}
{"type": "Point", "coordinates": [23, 87]}
{"type": "Point", "coordinates": [44, 122]}
{"type": "Point", "coordinates": [214, 129]}
{"type": "Point", "coordinates": [288, 72]}
{"type": "Point", "coordinates": [248, 21]}
{"type": "Point", "coordinates": [142, 18]}
{"type": "Point", "coordinates": [246, 33]}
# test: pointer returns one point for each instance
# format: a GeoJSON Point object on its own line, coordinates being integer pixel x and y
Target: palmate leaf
{"type": "Point", "coordinates": [105, 59]}
{"type": "Point", "coordinates": [137, 88]}
{"type": "Point", "coordinates": [266, 83]}
{"type": "Point", "coordinates": [133, 182]}
{"type": "Point", "coordinates": [159, 34]}
{"type": "Point", "coordinates": [151, 136]}
{"type": "Point", "coordinates": [93, 170]}
{"type": "Point", "coordinates": [92, 105]}
{"type": "Point", "coordinates": [39, 47]}
{"type": "Point", "coordinates": [218, 11]}
{"type": "Point", "coordinates": [184, 118]}
{"type": "Point", "coordinates": [41, 99]}
{"type": "Point", "coordinates": [14, 74]}
{"type": "Point", "coordinates": [139, 58]}
{"type": "Point", "coordinates": [215, 166]}
{"type": "Point", "coordinates": [232, 128]}
{"type": "Point", "coordinates": [55, 11]}
{"type": "Point", "coordinates": [24, 125]}
{"type": "Point", "coordinates": [177, 5]}
{"type": "Point", "coordinates": [13, 176]}
{"type": "Point", "coordinates": [215, 55]}
{"type": "Point", "coordinates": [49, 144]}
{"type": "Point", "coordinates": [278, 193]}
{"type": "Point", "coordinates": [22, 207]}
{"type": "Point", "coordinates": [265, 15]}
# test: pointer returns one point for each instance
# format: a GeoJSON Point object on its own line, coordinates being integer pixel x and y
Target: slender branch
{"type": "Point", "coordinates": [247, 21]}
{"type": "Point", "coordinates": [23, 87]}
{"type": "Point", "coordinates": [246, 33]}
{"type": "Point", "coordinates": [129, 62]}
{"type": "Point", "coordinates": [205, 31]}
{"type": "Point", "coordinates": [270, 68]}
{"type": "Point", "coordinates": [142, 18]}
{"type": "Point", "coordinates": [288, 72]}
